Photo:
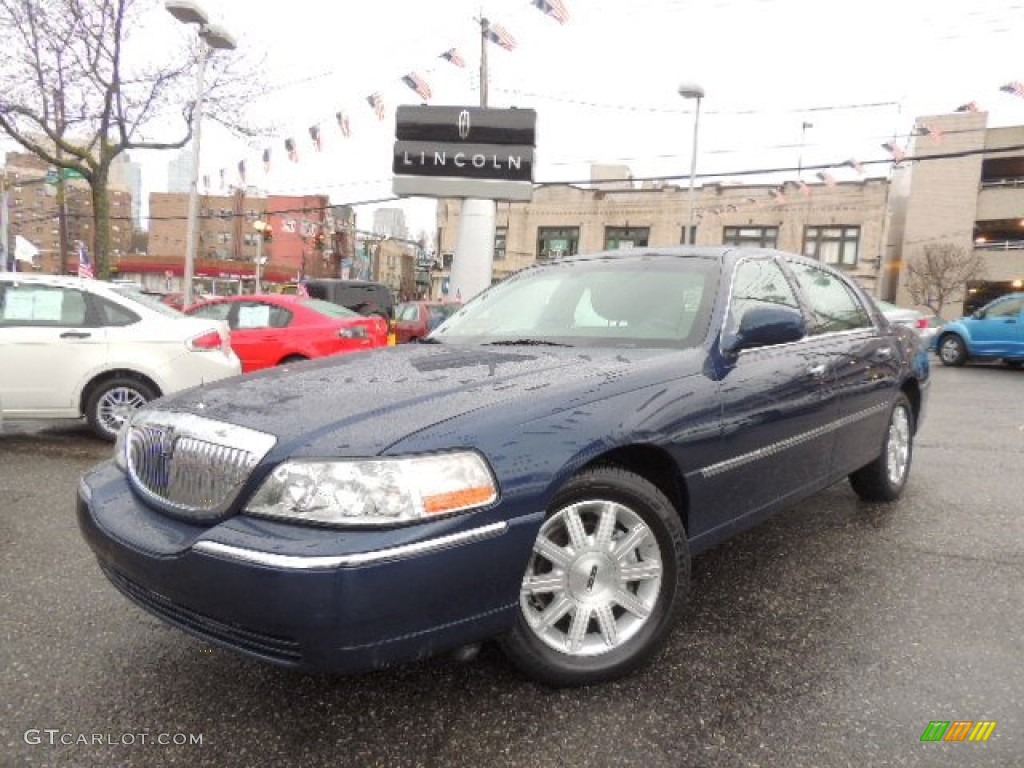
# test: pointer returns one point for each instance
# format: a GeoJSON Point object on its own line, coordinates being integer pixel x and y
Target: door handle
{"type": "Point", "coordinates": [75, 335]}
{"type": "Point", "coordinates": [817, 371]}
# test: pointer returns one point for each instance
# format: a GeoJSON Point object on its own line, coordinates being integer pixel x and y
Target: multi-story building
{"type": "Point", "coordinates": [35, 213]}
{"type": "Point", "coordinates": [966, 189]}
{"type": "Point", "coordinates": [962, 187]}
{"type": "Point", "coordinates": [229, 243]}
{"type": "Point", "coordinates": [126, 176]}
{"type": "Point", "coordinates": [179, 172]}
{"type": "Point", "coordinates": [390, 222]}
{"type": "Point", "coordinates": [843, 224]}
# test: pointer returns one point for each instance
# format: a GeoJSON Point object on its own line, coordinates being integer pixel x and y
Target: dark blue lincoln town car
{"type": "Point", "coordinates": [540, 470]}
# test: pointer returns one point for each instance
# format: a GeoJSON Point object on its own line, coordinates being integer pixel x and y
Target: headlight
{"type": "Point", "coordinates": [375, 492]}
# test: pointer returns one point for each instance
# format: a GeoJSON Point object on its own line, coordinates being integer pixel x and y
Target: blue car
{"type": "Point", "coordinates": [996, 331]}
{"type": "Point", "coordinates": [540, 470]}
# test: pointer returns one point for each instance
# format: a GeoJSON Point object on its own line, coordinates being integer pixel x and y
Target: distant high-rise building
{"type": "Point", "coordinates": [390, 222]}
{"type": "Point", "coordinates": [179, 172]}
{"type": "Point", "coordinates": [128, 176]}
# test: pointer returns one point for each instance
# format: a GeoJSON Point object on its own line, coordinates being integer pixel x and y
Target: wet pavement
{"type": "Point", "coordinates": [830, 636]}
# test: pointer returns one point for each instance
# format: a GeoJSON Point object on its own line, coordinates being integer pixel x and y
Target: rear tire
{"type": "Point", "coordinates": [113, 402]}
{"type": "Point", "coordinates": [607, 578]}
{"type": "Point", "coordinates": [885, 478]}
{"type": "Point", "coordinates": [293, 359]}
{"type": "Point", "coordinates": [952, 350]}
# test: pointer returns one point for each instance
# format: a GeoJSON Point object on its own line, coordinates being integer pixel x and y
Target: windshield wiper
{"type": "Point", "coordinates": [524, 343]}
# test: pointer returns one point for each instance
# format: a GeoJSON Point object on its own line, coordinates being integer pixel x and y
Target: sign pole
{"type": "Point", "coordinates": [473, 261]}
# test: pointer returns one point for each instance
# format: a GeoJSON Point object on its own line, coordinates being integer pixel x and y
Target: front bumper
{"type": "Point", "coordinates": [315, 599]}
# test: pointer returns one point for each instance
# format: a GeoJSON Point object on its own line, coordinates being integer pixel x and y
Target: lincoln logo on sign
{"type": "Point", "coordinates": [464, 152]}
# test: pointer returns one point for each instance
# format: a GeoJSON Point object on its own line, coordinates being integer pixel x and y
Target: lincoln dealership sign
{"type": "Point", "coordinates": [465, 152]}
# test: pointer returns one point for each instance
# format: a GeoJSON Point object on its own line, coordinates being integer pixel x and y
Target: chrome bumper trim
{"type": "Point", "coordinates": [326, 562]}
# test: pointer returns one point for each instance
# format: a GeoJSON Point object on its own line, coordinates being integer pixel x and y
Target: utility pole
{"type": "Point", "coordinates": [485, 27]}
{"type": "Point", "coordinates": [5, 246]}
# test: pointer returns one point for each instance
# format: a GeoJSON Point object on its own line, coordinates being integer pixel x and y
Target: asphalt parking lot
{"type": "Point", "coordinates": [831, 636]}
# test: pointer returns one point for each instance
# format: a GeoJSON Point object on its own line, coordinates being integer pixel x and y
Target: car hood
{"type": "Point", "coordinates": [358, 404]}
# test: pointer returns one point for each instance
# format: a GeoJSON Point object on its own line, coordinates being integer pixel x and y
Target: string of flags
{"type": "Point", "coordinates": [415, 80]}
{"type": "Point", "coordinates": [500, 36]}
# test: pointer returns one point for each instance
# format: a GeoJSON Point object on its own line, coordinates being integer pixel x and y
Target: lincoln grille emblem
{"type": "Point", "coordinates": [464, 124]}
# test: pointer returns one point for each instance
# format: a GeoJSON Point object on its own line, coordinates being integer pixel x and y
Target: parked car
{"type": "Point", "coordinates": [924, 323]}
{"type": "Point", "coordinates": [273, 329]}
{"type": "Point", "coordinates": [541, 471]}
{"type": "Point", "coordinates": [72, 347]}
{"type": "Point", "coordinates": [363, 296]}
{"type": "Point", "coordinates": [414, 320]}
{"type": "Point", "coordinates": [996, 331]}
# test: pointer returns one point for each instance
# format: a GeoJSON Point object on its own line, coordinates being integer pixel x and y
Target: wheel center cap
{"type": "Point", "coordinates": [591, 577]}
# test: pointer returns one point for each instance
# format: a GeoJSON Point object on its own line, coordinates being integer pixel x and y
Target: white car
{"type": "Point", "coordinates": [72, 347]}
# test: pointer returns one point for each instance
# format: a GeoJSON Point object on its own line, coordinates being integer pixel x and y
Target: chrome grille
{"type": "Point", "coordinates": [190, 466]}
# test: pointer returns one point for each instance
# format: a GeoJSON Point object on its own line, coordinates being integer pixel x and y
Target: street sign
{"type": "Point", "coordinates": [66, 173]}
{"type": "Point", "coordinates": [464, 152]}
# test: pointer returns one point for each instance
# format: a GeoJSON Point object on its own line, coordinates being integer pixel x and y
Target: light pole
{"type": "Point", "coordinates": [261, 228]}
{"type": "Point", "coordinates": [212, 36]}
{"type": "Point", "coordinates": [692, 91]}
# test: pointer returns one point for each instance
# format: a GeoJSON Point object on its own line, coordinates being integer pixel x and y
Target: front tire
{"type": "Point", "coordinates": [952, 350]}
{"type": "Point", "coordinates": [608, 575]}
{"type": "Point", "coordinates": [885, 478]}
{"type": "Point", "coordinates": [112, 402]}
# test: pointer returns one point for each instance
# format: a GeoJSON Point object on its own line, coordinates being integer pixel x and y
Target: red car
{"type": "Point", "coordinates": [271, 329]}
{"type": "Point", "coordinates": [415, 319]}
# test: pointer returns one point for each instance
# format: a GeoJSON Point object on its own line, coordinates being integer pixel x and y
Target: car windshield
{"type": "Point", "coordinates": [135, 294]}
{"type": "Point", "coordinates": [654, 301]}
{"type": "Point", "coordinates": [328, 309]}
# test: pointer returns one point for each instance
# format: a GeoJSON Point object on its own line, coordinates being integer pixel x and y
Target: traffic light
{"type": "Point", "coordinates": [268, 234]}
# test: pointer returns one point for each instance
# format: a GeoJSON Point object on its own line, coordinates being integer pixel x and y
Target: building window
{"type": "Point", "coordinates": [556, 242]}
{"type": "Point", "coordinates": [500, 240]}
{"type": "Point", "coordinates": [750, 237]}
{"type": "Point", "coordinates": [626, 237]}
{"type": "Point", "coordinates": [837, 246]}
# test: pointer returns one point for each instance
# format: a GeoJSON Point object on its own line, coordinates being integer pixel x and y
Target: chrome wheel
{"type": "Point", "coordinates": [113, 402]}
{"type": "Point", "coordinates": [952, 350]}
{"type": "Point", "coordinates": [594, 578]}
{"type": "Point", "coordinates": [898, 446]}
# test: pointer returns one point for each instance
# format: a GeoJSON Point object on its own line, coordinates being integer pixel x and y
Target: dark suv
{"type": "Point", "coordinates": [362, 296]}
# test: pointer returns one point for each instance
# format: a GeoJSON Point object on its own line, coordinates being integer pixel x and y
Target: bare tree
{"type": "Point", "coordinates": [939, 274]}
{"type": "Point", "coordinates": [77, 89]}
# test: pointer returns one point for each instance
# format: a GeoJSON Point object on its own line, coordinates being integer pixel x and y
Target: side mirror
{"type": "Point", "coordinates": [978, 314]}
{"type": "Point", "coordinates": [766, 326]}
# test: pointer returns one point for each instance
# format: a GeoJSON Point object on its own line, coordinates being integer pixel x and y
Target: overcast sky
{"type": "Point", "coordinates": [605, 83]}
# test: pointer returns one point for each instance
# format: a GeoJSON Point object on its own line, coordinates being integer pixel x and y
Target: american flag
{"type": "Point", "coordinates": [418, 84]}
{"type": "Point", "coordinates": [804, 189]}
{"type": "Point", "coordinates": [377, 103]}
{"type": "Point", "coordinates": [84, 264]}
{"type": "Point", "coordinates": [454, 57]}
{"type": "Point", "coordinates": [778, 195]}
{"type": "Point", "coordinates": [855, 165]}
{"type": "Point", "coordinates": [499, 35]}
{"type": "Point", "coordinates": [314, 134]}
{"type": "Point", "coordinates": [1016, 88]}
{"type": "Point", "coordinates": [290, 148]}
{"type": "Point", "coordinates": [828, 178]}
{"type": "Point", "coordinates": [342, 118]}
{"type": "Point", "coordinates": [895, 150]}
{"type": "Point", "coordinates": [970, 106]}
{"type": "Point", "coordinates": [554, 8]}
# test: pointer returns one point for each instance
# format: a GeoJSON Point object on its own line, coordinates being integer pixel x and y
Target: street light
{"type": "Point", "coordinates": [692, 91]}
{"type": "Point", "coordinates": [213, 36]}
{"type": "Point", "coordinates": [262, 228]}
